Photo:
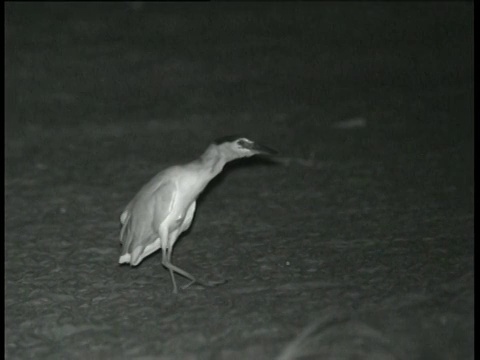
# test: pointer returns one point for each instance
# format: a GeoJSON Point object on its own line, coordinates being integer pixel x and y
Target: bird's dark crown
{"type": "Point", "coordinates": [228, 138]}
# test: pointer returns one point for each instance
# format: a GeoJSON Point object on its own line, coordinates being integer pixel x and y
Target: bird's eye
{"type": "Point", "coordinates": [242, 142]}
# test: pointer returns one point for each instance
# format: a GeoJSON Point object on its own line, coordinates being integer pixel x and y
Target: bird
{"type": "Point", "coordinates": [165, 206]}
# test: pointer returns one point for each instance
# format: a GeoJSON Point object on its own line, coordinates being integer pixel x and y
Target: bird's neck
{"type": "Point", "coordinates": [213, 160]}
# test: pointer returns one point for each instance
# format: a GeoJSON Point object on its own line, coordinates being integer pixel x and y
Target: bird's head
{"type": "Point", "coordinates": [235, 147]}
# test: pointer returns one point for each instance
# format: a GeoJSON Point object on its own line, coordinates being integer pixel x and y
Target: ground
{"type": "Point", "coordinates": [362, 228]}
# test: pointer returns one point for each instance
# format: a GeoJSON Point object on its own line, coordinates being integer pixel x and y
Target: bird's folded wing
{"type": "Point", "coordinates": [143, 222]}
{"type": "Point", "coordinates": [163, 201]}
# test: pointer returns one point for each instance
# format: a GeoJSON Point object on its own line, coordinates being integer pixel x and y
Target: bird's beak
{"type": "Point", "coordinates": [262, 149]}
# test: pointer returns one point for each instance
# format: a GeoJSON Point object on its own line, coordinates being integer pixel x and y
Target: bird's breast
{"type": "Point", "coordinates": [190, 186]}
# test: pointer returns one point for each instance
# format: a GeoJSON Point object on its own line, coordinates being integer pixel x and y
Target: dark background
{"type": "Point", "coordinates": [365, 231]}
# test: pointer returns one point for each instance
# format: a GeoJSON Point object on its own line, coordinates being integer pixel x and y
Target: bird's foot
{"type": "Point", "coordinates": [188, 285]}
{"type": "Point", "coordinates": [204, 283]}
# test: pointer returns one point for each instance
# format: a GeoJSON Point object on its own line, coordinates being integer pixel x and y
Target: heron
{"type": "Point", "coordinates": [165, 206]}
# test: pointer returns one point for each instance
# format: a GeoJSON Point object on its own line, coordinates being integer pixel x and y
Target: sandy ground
{"type": "Point", "coordinates": [360, 234]}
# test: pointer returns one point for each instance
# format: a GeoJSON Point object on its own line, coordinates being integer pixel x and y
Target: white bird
{"type": "Point", "coordinates": [165, 206]}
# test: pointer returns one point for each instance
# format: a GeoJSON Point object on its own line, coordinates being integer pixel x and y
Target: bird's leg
{"type": "Point", "coordinates": [204, 283]}
{"type": "Point", "coordinates": [172, 268]}
{"type": "Point", "coordinates": [165, 256]}
{"type": "Point", "coordinates": [172, 275]}
{"type": "Point", "coordinates": [169, 256]}
{"type": "Point", "coordinates": [166, 261]}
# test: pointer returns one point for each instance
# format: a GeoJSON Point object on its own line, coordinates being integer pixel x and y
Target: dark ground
{"type": "Point", "coordinates": [367, 232]}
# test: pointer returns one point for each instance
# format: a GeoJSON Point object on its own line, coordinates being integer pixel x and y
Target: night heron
{"type": "Point", "coordinates": [165, 206]}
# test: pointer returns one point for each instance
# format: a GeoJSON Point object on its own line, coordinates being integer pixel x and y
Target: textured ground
{"type": "Point", "coordinates": [365, 233]}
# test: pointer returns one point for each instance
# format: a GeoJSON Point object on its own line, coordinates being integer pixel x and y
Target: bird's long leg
{"type": "Point", "coordinates": [171, 241]}
{"type": "Point", "coordinates": [164, 260]}
{"type": "Point", "coordinates": [192, 280]}
{"type": "Point", "coordinates": [168, 264]}
{"type": "Point", "coordinates": [172, 268]}
{"type": "Point", "coordinates": [172, 275]}
{"type": "Point", "coordinates": [168, 255]}
{"type": "Point", "coordinates": [167, 249]}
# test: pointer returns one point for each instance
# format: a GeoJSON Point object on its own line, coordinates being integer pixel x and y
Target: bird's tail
{"type": "Point", "coordinates": [124, 218]}
{"type": "Point", "coordinates": [126, 238]}
{"type": "Point", "coordinates": [131, 236]}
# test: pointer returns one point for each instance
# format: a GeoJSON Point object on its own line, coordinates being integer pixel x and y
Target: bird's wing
{"type": "Point", "coordinates": [141, 226]}
{"type": "Point", "coordinates": [123, 217]}
{"type": "Point", "coordinates": [163, 201]}
{"type": "Point", "coordinates": [145, 192]}
{"type": "Point", "coordinates": [189, 217]}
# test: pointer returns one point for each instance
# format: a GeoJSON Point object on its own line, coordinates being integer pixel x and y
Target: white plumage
{"type": "Point", "coordinates": [165, 206]}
